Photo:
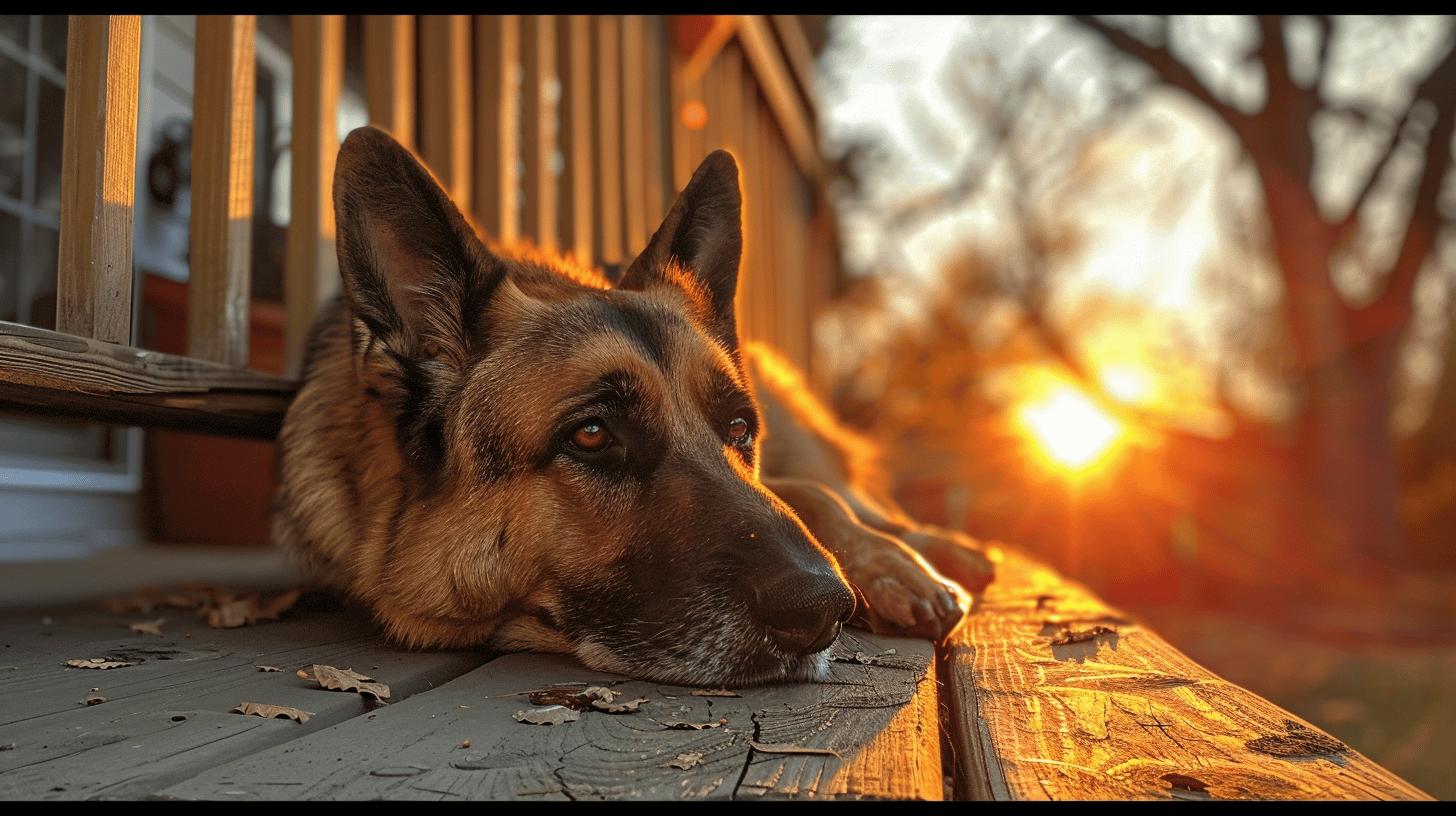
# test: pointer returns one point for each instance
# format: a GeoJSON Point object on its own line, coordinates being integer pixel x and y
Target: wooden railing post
{"type": "Point", "coordinates": [576, 134]}
{"type": "Point", "coordinates": [634, 166]}
{"type": "Point", "coordinates": [609, 137]}
{"type": "Point", "coordinates": [497, 125]}
{"type": "Point", "coordinates": [98, 177]}
{"type": "Point", "coordinates": [540, 98]}
{"type": "Point", "coordinates": [220, 250]}
{"type": "Point", "coordinates": [445, 103]}
{"type": "Point", "coordinates": [389, 74]}
{"type": "Point", "coordinates": [311, 273]}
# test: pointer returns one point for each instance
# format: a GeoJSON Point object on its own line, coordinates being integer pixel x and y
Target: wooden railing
{"type": "Point", "coordinates": [572, 132]}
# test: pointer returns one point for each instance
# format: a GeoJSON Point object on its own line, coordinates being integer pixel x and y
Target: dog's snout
{"type": "Point", "coordinates": [804, 610]}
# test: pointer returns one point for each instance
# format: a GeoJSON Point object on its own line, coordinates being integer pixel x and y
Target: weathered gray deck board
{"type": "Point", "coordinates": [166, 718]}
{"type": "Point", "coordinates": [881, 719]}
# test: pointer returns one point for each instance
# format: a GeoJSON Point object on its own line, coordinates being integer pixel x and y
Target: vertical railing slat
{"type": "Point", "coordinates": [445, 102]}
{"type": "Point", "coordinates": [538, 144]}
{"type": "Point", "coordinates": [311, 269]}
{"type": "Point", "coordinates": [574, 33]}
{"type": "Point", "coordinates": [634, 94]}
{"type": "Point", "coordinates": [497, 125]}
{"type": "Point", "coordinates": [220, 249]}
{"type": "Point", "coordinates": [656, 161]}
{"type": "Point", "coordinates": [98, 177]}
{"type": "Point", "coordinates": [609, 137]}
{"type": "Point", "coordinates": [389, 74]}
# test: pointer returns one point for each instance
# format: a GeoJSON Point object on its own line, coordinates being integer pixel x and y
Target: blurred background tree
{"type": "Point", "coordinates": [1169, 302]}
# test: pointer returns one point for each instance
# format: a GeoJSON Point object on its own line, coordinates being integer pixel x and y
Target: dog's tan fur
{"type": "Point", "coordinates": [422, 473]}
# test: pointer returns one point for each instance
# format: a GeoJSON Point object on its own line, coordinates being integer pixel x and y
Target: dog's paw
{"type": "Point", "coordinates": [956, 555]}
{"type": "Point", "coordinates": [899, 592]}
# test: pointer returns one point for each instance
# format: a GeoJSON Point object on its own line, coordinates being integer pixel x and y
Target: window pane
{"type": "Point", "coordinates": [49, 125]}
{"type": "Point", "coordinates": [16, 29]}
{"type": "Point", "coordinates": [12, 126]}
{"type": "Point", "coordinates": [9, 264]}
{"type": "Point", "coordinates": [45, 245]}
{"type": "Point", "coordinates": [53, 39]}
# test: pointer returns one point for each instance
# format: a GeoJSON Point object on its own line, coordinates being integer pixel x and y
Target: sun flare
{"type": "Point", "coordinates": [1069, 429]}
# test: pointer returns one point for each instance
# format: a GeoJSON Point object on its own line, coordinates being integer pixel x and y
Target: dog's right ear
{"type": "Point", "coordinates": [414, 270]}
{"type": "Point", "coordinates": [416, 276]}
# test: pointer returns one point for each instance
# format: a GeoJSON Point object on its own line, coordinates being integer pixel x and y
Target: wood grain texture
{"type": "Point", "coordinates": [656, 136]}
{"type": "Point", "coordinates": [311, 266]}
{"type": "Point", "coordinates": [168, 716]}
{"type": "Point", "coordinates": [445, 109]}
{"type": "Point", "coordinates": [221, 236]}
{"type": "Point", "coordinates": [48, 372]}
{"type": "Point", "coordinates": [98, 177]}
{"type": "Point", "coordinates": [497, 125]}
{"type": "Point", "coordinates": [607, 47]}
{"type": "Point", "coordinates": [389, 74]}
{"type": "Point", "coordinates": [1121, 715]}
{"type": "Point", "coordinates": [540, 98]}
{"type": "Point", "coordinates": [880, 719]}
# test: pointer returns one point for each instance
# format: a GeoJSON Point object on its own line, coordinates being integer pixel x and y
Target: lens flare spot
{"type": "Point", "coordinates": [1069, 429]}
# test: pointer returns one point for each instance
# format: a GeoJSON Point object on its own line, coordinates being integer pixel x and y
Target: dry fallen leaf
{"type": "Point", "coordinates": [789, 748]}
{"type": "Point", "coordinates": [628, 707]}
{"type": "Point", "coordinates": [152, 627]}
{"type": "Point", "coordinates": [267, 668]}
{"type": "Point", "coordinates": [579, 699]}
{"type": "Point", "coordinates": [229, 615]}
{"type": "Point", "coordinates": [97, 663]}
{"type": "Point", "coordinates": [273, 607]}
{"type": "Point", "coordinates": [270, 712]}
{"type": "Point", "coordinates": [1068, 636]}
{"type": "Point", "coordinates": [348, 680]}
{"type": "Point", "coordinates": [686, 760]}
{"type": "Point", "coordinates": [715, 693]}
{"type": "Point", "coordinates": [550, 715]}
{"type": "Point", "coordinates": [93, 699]}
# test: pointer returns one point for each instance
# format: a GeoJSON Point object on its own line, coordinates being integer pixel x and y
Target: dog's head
{"type": "Point", "coordinates": [580, 461]}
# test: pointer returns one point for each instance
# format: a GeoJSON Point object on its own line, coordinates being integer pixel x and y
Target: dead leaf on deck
{"type": "Point", "coordinates": [267, 668]}
{"type": "Point", "coordinates": [628, 707]}
{"type": "Point", "coordinates": [152, 627]}
{"type": "Point", "coordinates": [1298, 742]}
{"type": "Point", "coordinates": [789, 748]}
{"type": "Point", "coordinates": [98, 663]}
{"type": "Point", "coordinates": [230, 615]}
{"type": "Point", "coordinates": [550, 715]}
{"type": "Point", "coordinates": [1068, 636]}
{"type": "Point", "coordinates": [1182, 782]}
{"type": "Point", "coordinates": [271, 712]}
{"type": "Point", "coordinates": [686, 760]}
{"type": "Point", "coordinates": [591, 697]}
{"type": "Point", "coordinates": [715, 693]}
{"type": "Point", "coordinates": [93, 699]}
{"type": "Point", "coordinates": [349, 680]}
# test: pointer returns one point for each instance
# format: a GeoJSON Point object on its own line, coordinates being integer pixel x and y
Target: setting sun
{"type": "Point", "coordinates": [1069, 428]}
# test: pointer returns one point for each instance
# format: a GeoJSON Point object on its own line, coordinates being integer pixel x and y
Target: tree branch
{"type": "Point", "coordinates": [1392, 309]}
{"type": "Point", "coordinates": [1168, 69]}
{"type": "Point", "coordinates": [1322, 60]}
{"type": "Point", "coordinates": [1346, 225]}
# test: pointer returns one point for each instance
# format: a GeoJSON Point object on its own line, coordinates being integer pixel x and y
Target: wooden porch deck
{"type": "Point", "coordinates": [1004, 712]}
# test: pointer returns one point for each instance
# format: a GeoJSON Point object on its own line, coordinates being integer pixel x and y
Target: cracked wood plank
{"type": "Point", "coordinates": [167, 718]}
{"type": "Point", "coordinates": [880, 719]}
{"type": "Point", "coordinates": [1120, 714]}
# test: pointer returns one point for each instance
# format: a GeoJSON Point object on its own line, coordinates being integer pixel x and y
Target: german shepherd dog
{"type": "Point", "coordinates": [496, 447]}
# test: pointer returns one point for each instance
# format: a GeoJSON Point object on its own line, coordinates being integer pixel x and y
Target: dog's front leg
{"type": "Point", "coordinates": [899, 592]}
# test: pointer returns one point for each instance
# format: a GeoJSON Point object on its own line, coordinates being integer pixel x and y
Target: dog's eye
{"type": "Point", "coordinates": [591, 436]}
{"type": "Point", "coordinates": [738, 432]}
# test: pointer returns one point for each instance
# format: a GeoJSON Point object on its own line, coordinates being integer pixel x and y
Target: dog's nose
{"type": "Point", "coordinates": [804, 610]}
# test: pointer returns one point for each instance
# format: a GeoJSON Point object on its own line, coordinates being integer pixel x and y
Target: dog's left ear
{"type": "Point", "coordinates": [703, 234]}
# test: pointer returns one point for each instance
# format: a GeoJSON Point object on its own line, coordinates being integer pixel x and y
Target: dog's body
{"type": "Point", "coordinates": [494, 447]}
